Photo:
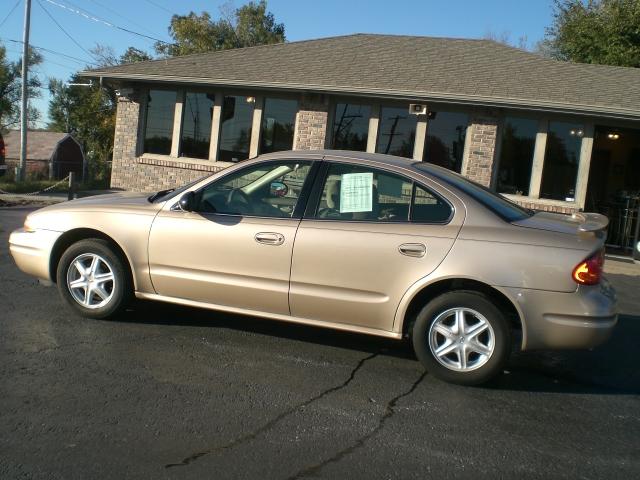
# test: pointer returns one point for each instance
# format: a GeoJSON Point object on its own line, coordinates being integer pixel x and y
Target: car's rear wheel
{"type": "Point", "coordinates": [93, 279]}
{"type": "Point", "coordinates": [462, 337]}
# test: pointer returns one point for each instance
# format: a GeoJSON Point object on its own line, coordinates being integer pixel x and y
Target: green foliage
{"type": "Point", "coordinates": [247, 26]}
{"type": "Point", "coordinates": [597, 31]}
{"type": "Point", "coordinates": [133, 55]}
{"type": "Point", "coordinates": [11, 89]}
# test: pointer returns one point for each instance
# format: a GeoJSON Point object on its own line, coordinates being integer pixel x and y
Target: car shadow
{"type": "Point", "coordinates": [610, 369]}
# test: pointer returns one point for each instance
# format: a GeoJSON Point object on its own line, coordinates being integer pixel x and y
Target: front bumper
{"type": "Point", "coordinates": [577, 320]}
{"type": "Point", "coordinates": [31, 250]}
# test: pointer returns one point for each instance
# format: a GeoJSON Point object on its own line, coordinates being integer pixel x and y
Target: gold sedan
{"type": "Point", "coordinates": [352, 241]}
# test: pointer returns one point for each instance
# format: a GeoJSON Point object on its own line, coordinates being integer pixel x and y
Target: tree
{"type": "Point", "coordinates": [88, 112]}
{"type": "Point", "coordinates": [133, 55]}
{"type": "Point", "coordinates": [11, 89]}
{"type": "Point", "coordinates": [599, 31]}
{"type": "Point", "coordinates": [246, 26]}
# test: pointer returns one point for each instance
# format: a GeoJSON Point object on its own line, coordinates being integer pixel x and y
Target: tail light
{"type": "Point", "coordinates": [2, 150]}
{"type": "Point", "coordinates": [589, 272]}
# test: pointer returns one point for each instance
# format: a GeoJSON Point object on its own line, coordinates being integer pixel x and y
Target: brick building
{"type": "Point", "coordinates": [550, 135]}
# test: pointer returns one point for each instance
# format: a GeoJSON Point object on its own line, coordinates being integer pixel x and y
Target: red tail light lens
{"type": "Point", "coordinates": [589, 272]}
{"type": "Point", "coordinates": [2, 150]}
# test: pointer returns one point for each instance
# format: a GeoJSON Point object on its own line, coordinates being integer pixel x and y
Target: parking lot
{"type": "Point", "coordinates": [172, 392]}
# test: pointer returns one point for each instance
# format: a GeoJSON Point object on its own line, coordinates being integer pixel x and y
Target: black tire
{"type": "Point", "coordinates": [488, 365]}
{"type": "Point", "coordinates": [119, 290]}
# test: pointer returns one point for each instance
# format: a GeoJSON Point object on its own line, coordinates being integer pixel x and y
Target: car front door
{"type": "Point", "coordinates": [234, 249]}
{"type": "Point", "coordinates": [370, 235]}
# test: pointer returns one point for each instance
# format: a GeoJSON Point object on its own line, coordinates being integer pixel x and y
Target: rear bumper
{"type": "Point", "coordinates": [578, 320]}
{"type": "Point", "coordinates": [32, 251]}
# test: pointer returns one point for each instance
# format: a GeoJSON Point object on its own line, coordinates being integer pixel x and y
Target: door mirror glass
{"type": "Point", "coordinates": [278, 189]}
{"type": "Point", "coordinates": [188, 202]}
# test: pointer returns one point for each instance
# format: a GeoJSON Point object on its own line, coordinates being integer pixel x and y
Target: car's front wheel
{"type": "Point", "coordinates": [93, 279]}
{"type": "Point", "coordinates": [462, 337]}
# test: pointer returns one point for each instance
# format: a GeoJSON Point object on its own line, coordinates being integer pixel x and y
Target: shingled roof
{"type": "Point", "coordinates": [40, 144]}
{"type": "Point", "coordinates": [478, 72]}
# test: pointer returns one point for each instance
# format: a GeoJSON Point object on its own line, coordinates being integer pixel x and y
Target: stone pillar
{"type": "Point", "coordinates": [480, 150]}
{"type": "Point", "coordinates": [311, 123]}
{"type": "Point", "coordinates": [125, 142]}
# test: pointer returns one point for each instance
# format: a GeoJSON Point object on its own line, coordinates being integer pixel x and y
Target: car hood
{"type": "Point", "coordinates": [116, 200]}
{"type": "Point", "coordinates": [576, 224]}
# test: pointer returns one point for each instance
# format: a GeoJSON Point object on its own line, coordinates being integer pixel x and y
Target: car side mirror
{"type": "Point", "coordinates": [188, 202]}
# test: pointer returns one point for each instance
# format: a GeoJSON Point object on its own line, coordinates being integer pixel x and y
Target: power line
{"type": "Point", "coordinates": [10, 12]}
{"type": "Point", "coordinates": [159, 6]}
{"type": "Point", "coordinates": [63, 30]}
{"type": "Point", "coordinates": [76, 59]}
{"type": "Point", "coordinates": [92, 17]}
{"type": "Point", "coordinates": [117, 14]}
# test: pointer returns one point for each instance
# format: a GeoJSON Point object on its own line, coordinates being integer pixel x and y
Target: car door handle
{"type": "Point", "coordinates": [269, 238]}
{"type": "Point", "coordinates": [412, 249]}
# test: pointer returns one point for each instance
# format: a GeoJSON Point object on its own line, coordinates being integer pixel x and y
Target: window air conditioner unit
{"type": "Point", "coordinates": [417, 109]}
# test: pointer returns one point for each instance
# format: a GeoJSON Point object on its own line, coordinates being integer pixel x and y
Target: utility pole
{"type": "Point", "coordinates": [25, 96]}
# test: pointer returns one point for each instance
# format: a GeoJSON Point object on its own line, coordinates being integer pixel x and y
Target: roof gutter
{"type": "Point", "coordinates": [475, 100]}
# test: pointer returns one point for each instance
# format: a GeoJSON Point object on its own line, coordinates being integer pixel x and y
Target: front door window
{"type": "Point", "coordinates": [264, 190]}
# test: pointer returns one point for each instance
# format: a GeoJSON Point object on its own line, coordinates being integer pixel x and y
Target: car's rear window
{"type": "Point", "coordinates": [501, 206]}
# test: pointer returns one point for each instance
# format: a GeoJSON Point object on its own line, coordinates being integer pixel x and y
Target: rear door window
{"type": "Point", "coordinates": [360, 193]}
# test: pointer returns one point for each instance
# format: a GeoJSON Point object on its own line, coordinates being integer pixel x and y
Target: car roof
{"type": "Point", "coordinates": [390, 160]}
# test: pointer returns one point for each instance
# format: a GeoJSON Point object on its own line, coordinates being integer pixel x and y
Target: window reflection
{"type": "Point", "coordinates": [278, 122]}
{"type": "Point", "coordinates": [235, 132]}
{"type": "Point", "coordinates": [397, 132]}
{"type": "Point", "coordinates": [516, 155]}
{"type": "Point", "coordinates": [350, 127]}
{"type": "Point", "coordinates": [562, 154]}
{"type": "Point", "coordinates": [158, 131]}
{"type": "Point", "coordinates": [196, 124]}
{"type": "Point", "coordinates": [446, 133]}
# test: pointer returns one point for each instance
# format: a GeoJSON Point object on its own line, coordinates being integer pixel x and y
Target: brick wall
{"type": "Point", "coordinates": [311, 128]}
{"type": "Point", "coordinates": [145, 174]}
{"type": "Point", "coordinates": [481, 150]}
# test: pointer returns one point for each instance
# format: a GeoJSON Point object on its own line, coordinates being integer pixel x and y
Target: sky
{"type": "Point", "coordinates": [303, 19]}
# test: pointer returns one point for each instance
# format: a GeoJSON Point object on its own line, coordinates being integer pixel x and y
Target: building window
{"type": "Point", "coordinates": [350, 127]}
{"type": "Point", "coordinates": [278, 122]}
{"type": "Point", "coordinates": [397, 132]}
{"type": "Point", "coordinates": [197, 113]}
{"type": "Point", "coordinates": [562, 155]}
{"type": "Point", "coordinates": [446, 133]}
{"type": "Point", "coordinates": [158, 133]}
{"type": "Point", "coordinates": [235, 131]}
{"type": "Point", "coordinates": [516, 155]}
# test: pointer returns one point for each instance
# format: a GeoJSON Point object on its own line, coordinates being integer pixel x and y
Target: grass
{"type": "Point", "coordinates": [29, 186]}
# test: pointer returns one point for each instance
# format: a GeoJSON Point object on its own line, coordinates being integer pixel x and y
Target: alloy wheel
{"type": "Point", "coordinates": [461, 339]}
{"type": "Point", "coordinates": [90, 280]}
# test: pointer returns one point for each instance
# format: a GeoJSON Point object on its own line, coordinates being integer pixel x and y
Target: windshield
{"type": "Point", "coordinates": [501, 206]}
{"type": "Point", "coordinates": [164, 195]}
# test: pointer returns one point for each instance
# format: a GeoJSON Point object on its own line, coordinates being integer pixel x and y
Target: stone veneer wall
{"type": "Point", "coordinates": [481, 150]}
{"type": "Point", "coordinates": [311, 124]}
{"type": "Point", "coordinates": [145, 174]}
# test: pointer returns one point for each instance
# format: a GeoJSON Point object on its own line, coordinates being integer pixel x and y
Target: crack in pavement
{"type": "Point", "coordinates": [390, 411]}
{"type": "Point", "coordinates": [271, 423]}
{"type": "Point", "coordinates": [94, 342]}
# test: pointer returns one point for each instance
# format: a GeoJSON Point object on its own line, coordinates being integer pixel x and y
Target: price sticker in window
{"type": "Point", "coordinates": [356, 192]}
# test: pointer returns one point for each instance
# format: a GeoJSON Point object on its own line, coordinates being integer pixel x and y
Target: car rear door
{"type": "Point", "coordinates": [357, 252]}
{"type": "Point", "coordinates": [235, 249]}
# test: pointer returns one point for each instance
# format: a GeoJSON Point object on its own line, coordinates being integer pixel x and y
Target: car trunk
{"type": "Point", "coordinates": [589, 227]}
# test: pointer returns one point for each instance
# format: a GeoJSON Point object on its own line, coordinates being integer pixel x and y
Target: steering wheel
{"type": "Point", "coordinates": [236, 195]}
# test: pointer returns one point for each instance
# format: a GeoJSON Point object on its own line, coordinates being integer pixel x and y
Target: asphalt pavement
{"type": "Point", "coordinates": [172, 392]}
